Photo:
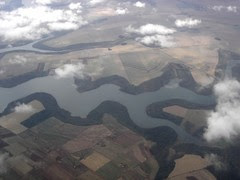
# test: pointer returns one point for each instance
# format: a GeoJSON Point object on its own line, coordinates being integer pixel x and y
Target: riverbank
{"type": "Point", "coordinates": [173, 71]}
{"type": "Point", "coordinates": [16, 80]}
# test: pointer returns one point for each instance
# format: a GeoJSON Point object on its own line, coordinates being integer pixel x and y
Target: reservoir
{"type": "Point", "coordinates": [80, 104]}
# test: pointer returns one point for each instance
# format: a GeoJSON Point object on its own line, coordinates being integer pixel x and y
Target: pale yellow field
{"type": "Point", "coordinates": [138, 154]}
{"type": "Point", "coordinates": [13, 121]}
{"type": "Point", "coordinates": [188, 163]}
{"type": "Point", "coordinates": [95, 161]}
{"type": "Point", "coordinates": [176, 110]}
{"type": "Point", "coordinates": [133, 61]}
{"type": "Point", "coordinates": [197, 118]}
{"type": "Point", "coordinates": [199, 174]}
{"type": "Point", "coordinates": [199, 53]}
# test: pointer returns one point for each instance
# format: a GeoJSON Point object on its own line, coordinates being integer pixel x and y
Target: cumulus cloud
{"type": "Point", "coordinates": [226, 8]}
{"type": "Point", "coordinates": [232, 9]}
{"type": "Point", "coordinates": [62, 26]}
{"type": "Point", "coordinates": [3, 164]}
{"type": "Point", "coordinates": [153, 34]}
{"type": "Point", "coordinates": [157, 40]}
{"type": "Point", "coordinates": [23, 108]}
{"type": "Point", "coordinates": [48, 2]}
{"type": "Point", "coordinates": [121, 11]}
{"type": "Point", "coordinates": [224, 122]}
{"type": "Point", "coordinates": [150, 29]}
{"type": "Point", "coordinates": [75, 6]}
{"type": "Point", "coordinates": [29, 23]}
{"type": "Point", "coordinates": [79, 70]}
{"type": "Point", "coordinates": [188, 22]}
{"type": "Point", "coordinates": [139, 4]}
{"type": "Point", "coordinates": [70, 70]}
{"type": "Point", "coordinates": [94, 2]}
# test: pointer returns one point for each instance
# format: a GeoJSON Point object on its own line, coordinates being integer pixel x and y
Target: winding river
{"type": "Point", "coordinates": [80, 104]}
{"type": "Point", "coordinates": [27, 47]}
{"type": "Point", "coordinates": [39, 46]}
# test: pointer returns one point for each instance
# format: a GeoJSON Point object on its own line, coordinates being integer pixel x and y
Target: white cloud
{"type": "Point", "coordinates": [48, 2]}
{"type": "Point", "coordinates": [62, 26]}
{"type": "Point", "coordinates": [79, 70]}
{"type": "Point", "coordinates": [226, 8]}
{"type": "Point", "coordinates": [70, 70]}
{"type": "Point", "coordinates": [188, 22]}
{"type": "Point", "coordinates": [224, 122]}
{"type": "Point", "coordinates": [121, 11]}
{"type": "Point", "coordinates": [24, 108]}
{"type": "Point", "coordinates": [232, 9]}
{"type": "Point", "coordinates": [29, 23]}
{"type": "Point", "coordinates": [150, 29]}
{"type": "Point", "coordinates": [157, 40]}
{"type": "Point", "coordinates": [75, 6]}
{"type": "Point", "coordinates": [139, 4]}
{"type": "Point", "coordinates": [3, 164]}
{"type": "Point", "coordinates": [153, 34]}
{"type": "Point", "coordinates": [94, 2]}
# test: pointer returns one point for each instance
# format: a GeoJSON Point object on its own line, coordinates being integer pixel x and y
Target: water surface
{"type": "Point", "coordinates": [80, 104]}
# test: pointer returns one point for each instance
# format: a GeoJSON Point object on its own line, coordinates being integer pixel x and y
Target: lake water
{"type": "Point", "coordinates": [80, 104]}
